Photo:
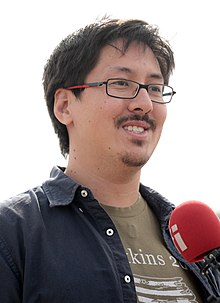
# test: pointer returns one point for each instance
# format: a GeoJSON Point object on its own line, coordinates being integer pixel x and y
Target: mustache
{"type": "Point", "coordinates": [136, 117]}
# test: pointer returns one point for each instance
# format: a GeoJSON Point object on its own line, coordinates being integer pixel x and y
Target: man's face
{"type": "Point", "coordinates": [113, 131]}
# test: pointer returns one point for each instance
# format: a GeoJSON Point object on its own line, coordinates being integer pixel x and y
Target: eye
{"type": "Point", "coordinates": [119, 83]}
{"type": "Point", "coordinates": [155, 89]}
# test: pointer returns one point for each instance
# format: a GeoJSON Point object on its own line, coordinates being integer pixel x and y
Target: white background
{"type": "Point", "coordinates": [186, 162]}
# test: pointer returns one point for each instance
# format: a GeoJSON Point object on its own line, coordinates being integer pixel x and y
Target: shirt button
{"type": "Point", "coordinates": [84, 193]}
{"type": "Point", "coordinates": [110, 232]}
{"type": "Point", "coordinates": [127, 279]}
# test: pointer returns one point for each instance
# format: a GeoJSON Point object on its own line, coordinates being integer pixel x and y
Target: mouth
{"type": "Point", "coordinates": [135, 129]}
{"type": "Point", "coordinates": [136, 126]}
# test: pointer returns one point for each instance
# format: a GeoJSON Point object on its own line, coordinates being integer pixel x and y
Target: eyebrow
{"type": "Point", "coordinates": [127, 70]}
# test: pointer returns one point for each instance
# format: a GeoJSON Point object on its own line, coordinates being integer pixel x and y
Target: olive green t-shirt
{"type": "Point", "coordinates": [157, 274]}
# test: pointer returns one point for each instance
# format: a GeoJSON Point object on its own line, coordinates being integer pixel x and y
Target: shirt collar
{"type": "Point", "coordinates": [59, 188]}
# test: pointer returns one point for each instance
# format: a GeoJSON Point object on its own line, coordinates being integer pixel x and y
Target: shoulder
{"type": "Point", "coordinates": [19, 213]}
{"type": "Point", "coordinates": [20, 217]}
{"type": "Point", "coordinates": [21, 203]}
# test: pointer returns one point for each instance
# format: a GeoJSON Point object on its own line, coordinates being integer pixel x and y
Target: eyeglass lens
{"type": "Point", "coordinates": [128, 89]}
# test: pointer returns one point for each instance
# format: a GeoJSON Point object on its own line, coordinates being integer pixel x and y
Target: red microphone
{"type": "Point", "coordinates": [195, 230]}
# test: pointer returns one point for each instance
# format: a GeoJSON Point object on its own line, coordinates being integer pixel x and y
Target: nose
{"type": "Point", "coordinates": [141, 103]}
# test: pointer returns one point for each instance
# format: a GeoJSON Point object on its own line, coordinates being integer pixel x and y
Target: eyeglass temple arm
{"type": "Point", "coordinates": [88, 85]}
{"type": "Point", "coordinates": [168, 94]}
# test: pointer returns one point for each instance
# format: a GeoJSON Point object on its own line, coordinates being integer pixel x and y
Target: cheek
{"type": "Point", "coordinates": [108, 112]}
{"type": "Point", "coordinates": [98, 118]}
{"type": "Point", "coordinates": [160, 114]}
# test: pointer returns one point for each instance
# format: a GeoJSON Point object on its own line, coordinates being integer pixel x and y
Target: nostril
{"type": "Point", "coordinates": [138, 109]}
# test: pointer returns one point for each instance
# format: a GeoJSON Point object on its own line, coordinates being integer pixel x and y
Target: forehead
{"type": "Point", "coordinates": [137, 59]}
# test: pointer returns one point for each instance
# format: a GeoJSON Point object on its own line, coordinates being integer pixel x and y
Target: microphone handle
{"type": "Point", "coordinates": [212, 260]}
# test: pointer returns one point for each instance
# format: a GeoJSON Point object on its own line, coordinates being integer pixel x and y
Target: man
{"type": "Point", "coordinates": [92, 232]}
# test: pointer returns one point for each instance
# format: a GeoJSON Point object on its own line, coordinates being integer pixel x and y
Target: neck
{"type": "Point", "coordinates": [113, 186]}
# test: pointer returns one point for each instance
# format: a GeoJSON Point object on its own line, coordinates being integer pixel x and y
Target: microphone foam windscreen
{"type": "Point", "coordinates": [195, 230]}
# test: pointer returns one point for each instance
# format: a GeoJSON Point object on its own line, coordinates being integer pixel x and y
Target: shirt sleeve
{"type": "Point", "coordinates": [10, 290]}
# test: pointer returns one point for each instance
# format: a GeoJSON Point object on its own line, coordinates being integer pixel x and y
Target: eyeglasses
{"type": "Point", "coordinates": [129, 89]}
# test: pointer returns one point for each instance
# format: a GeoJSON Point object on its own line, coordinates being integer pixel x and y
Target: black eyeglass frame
{"type": "Point", "coordinates": [145, 86]}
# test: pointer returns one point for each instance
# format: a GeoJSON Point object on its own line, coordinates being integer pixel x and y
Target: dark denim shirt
{"type": "Point", "coordinates": [58, 245]}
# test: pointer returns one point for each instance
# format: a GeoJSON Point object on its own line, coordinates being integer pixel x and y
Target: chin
{"type": "Point", "coordinates": [134, 161]}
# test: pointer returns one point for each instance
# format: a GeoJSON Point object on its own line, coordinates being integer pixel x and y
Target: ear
{"type": "Point", "coordinates": [62, 109]}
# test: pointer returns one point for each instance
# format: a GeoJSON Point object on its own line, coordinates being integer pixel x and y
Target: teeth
{"type": "Point", "coordinates": [135, 129]}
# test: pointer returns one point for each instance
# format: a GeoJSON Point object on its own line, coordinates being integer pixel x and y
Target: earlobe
{"type": "Point", "coordinates": [62, 100]}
